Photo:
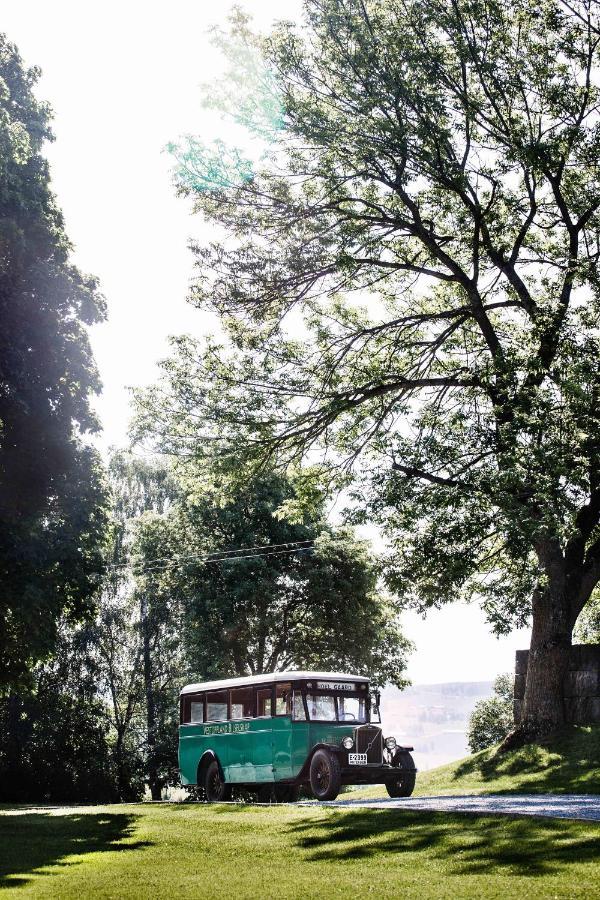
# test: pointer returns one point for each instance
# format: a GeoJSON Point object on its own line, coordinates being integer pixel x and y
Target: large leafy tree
{"type": "Point", "coordinates": [51, 495]}
{"type": "Point", "coordinates": [429, 203]}
{"type": "Point", "coordinates": [305, 598]}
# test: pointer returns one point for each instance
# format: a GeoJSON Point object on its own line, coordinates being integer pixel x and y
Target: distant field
{"type": "Point", "coordinates": [568, 764]}
{"type": "Point", "coordinates": [186, 850]}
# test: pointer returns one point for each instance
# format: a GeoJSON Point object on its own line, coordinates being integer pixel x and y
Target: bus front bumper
{"type": "Point", "coordinates": [373, 773]}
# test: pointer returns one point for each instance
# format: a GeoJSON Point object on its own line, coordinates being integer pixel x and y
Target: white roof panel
{"type": "Point", "coordinates": [269, 678]}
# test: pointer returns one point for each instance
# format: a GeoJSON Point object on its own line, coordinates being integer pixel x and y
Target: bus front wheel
{"type": "Point", "coordinates": [404, 784]}
{"type": "Point", "coordinates": [325, 775]}
{"type": "Point", "coordinates": [215, 788]}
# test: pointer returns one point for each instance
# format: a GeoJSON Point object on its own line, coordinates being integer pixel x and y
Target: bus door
{"type": "Point", "coordinates": [261, 750]}
{"type": "Point", "coordinates": [290, 739]}
{"type": "Point", "coordinates": [240, 768]}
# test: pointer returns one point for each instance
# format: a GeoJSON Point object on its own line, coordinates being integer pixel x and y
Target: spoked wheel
{"type": "Point", "coordinates": [404, 783]}
{"type": "Point", "coordinates": [214, 786]}
{"type": "Point", "coordinates": [325, 775]}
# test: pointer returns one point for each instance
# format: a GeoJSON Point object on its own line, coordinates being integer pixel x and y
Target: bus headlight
{"type": "Point", "coordinates": [347, 743]}
{"type": "Point", "coordinates": [390, 743]}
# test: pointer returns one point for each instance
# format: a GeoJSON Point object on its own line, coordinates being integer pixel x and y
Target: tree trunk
{"type": "Point", "coordinates": [543, 708]}
{"type": "Point", "coordinates": [154, 781]}
{"type": "Point", "coordinates": [122, 785]}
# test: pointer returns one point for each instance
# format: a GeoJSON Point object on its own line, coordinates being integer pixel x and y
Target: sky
{"type": "Point", "coordinates": [124, 79]}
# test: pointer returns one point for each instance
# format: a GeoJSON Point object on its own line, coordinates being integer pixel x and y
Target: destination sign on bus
{"type": "Point", "coordinates": [334, 686]}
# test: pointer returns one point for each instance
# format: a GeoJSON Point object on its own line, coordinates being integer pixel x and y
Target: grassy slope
{"type": "Point", "coordinates": [186, 850]}
{"type": "Point", "coordinates": [568, 763]}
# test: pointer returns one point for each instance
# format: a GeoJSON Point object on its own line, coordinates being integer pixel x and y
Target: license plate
{"type": "Point", "coordinates": [357, 759]}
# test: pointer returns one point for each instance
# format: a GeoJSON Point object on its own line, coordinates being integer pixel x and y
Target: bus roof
{"type": "Point", "coordinates": [269, 678]}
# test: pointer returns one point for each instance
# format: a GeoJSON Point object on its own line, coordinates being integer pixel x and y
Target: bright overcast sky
{"type": "Point", "coordinates": [123, 79]}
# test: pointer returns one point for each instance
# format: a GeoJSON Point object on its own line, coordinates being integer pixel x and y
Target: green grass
{"type": "Point", "coordinates": [568, 763]}
{"type": "Point", "coordinates": [187, 850]}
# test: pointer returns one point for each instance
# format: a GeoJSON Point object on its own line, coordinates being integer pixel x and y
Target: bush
{"type": "Point", "coordinates": [54, 749]}
{"type": "Point", "coordinates": [587, 629]}
{"type": "Point", "coordinates": [492, 719]}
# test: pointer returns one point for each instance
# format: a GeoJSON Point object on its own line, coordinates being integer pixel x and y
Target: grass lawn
{"type": "Point", "coordinates": [187, 850]}
{"type": "Point", "coordinates": [566, 764]}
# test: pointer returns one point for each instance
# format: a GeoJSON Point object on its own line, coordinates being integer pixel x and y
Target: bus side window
{"type": "Point", "coordinates": [196, 712]}
{"type": "Point", "coordinates": [241, 703]}
{"type": "Point", "coordinates": [283, 699]}
{"type": "Point", "coordinates": [263, 701]}
{"type": "Point", "coordinates": [216, 706]}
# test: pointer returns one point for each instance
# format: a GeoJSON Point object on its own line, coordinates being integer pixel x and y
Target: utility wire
{"type": "Point", "coordinates": [140, 569]}
{"type": "Point", "coordinates": [206, 561]}
{"type": "Point", "coordinates": [218, 553]}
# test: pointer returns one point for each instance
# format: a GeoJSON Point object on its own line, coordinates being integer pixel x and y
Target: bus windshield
{"type": "Point", "coordinates": [325, 707]}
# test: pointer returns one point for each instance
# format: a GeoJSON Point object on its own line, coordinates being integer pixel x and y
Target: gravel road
{"type": "Point", "coordinates": [565, 806]}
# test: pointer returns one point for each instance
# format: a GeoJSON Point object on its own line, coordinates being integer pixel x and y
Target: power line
{"type": "Point", "coordinates": [232, 556]}
{"type": "Point", "coordinates": [220, 559]}
{"type": "Point", "coordinates": [218, 553]}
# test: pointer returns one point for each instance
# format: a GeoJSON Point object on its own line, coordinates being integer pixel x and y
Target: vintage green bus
{"type": "Point", "coordinates": [275, 733]}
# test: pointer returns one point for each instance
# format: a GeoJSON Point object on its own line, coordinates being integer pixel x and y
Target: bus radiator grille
{"type": "Point", "coordinates": [369, 740]}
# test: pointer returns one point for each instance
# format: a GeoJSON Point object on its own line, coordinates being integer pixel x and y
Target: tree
{"type": "Point", "coordinates": [309, 601]}
{"type": "Point", "coordinates": [492, 719]}
{"type": "Point", "coordinates": [56, 744]}
{"type": "Point", "coordinates": [428, 209]}
{"type": "Point", "coordinates": [136, 640]}
{"type": "Point", "coordinates": [52, 519]}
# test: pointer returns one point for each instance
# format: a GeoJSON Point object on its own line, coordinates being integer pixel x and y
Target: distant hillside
{"type": "Point", "coordinates": [433, 718]}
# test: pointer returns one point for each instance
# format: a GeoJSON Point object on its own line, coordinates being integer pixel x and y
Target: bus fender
{"type": "Point", "coordinates": [303, 773]}
{"type": "Point", "coordinates": [206, 758]}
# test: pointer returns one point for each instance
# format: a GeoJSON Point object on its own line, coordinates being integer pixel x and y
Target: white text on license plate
{"type": "Point", "coordinates": [357, 759]}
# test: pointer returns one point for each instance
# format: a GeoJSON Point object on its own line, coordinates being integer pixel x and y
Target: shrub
{"type": "Point", "coordinates": [492, 719]}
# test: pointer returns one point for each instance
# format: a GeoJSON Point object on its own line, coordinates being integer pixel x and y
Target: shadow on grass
{"type": "Point", "coordinates": [565, 763]}
{"type": "Point", "coordinates": [465, 844]}
{"type": "Point", "coordinates": [29, 842]}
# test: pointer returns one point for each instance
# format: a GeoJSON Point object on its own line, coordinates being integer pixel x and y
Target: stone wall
{"type": "Point", "coordinates": [582, 685]}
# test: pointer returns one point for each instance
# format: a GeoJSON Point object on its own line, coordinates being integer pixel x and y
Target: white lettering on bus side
{"type": "Point", "coordinates": [228, 728]}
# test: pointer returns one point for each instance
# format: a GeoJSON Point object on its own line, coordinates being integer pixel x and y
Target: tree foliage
{"type": "Point", "coordinates": [51, 493]}
{"type": "Point", "coordinates": [313, 606]}
{"type": "Point", "coordinates": [409, 278]}
{"type": "Point", "coordinates": [492, 719]}
{"type": "Point", "coordinates": [137, 638]}
{"type": "Point", "coordinates": [56, 741]}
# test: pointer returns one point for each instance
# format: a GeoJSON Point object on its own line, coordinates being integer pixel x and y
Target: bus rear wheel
{"type": "Point", "coordinates": [215, 788]}
{"type": "Point", "coordinates": [325, 775]}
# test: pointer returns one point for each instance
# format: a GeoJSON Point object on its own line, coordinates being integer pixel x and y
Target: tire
{"type": "Point", "coordinates": [325, 775]}
{"type": "Point", "coordinates": [215, 788]}
{"type": "Point", "coordinates": [404, 783]}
